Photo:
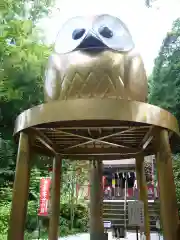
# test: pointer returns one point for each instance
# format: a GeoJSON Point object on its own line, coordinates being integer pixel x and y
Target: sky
{"type": "Point", "coordinates": [148, 26]}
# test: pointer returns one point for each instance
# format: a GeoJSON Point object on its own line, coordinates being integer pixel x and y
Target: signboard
{"type": "Point", "coordinates": [44, 196]}
{"type": "Point", "coordinates": [107, 224]}
{"type": "Point", "coordinates": [136, 213]}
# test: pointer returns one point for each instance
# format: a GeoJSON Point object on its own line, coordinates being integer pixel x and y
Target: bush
{"type": "Point", "coordinates": [80, 216]}
{"type": "Point", "coordinates": [80, 220]}
{"type": "Point", "coordinates": [31, 219]}
{"type": "Point", "coordinates": [79, 225]}
{"type": "Point", "coordinates": [4, 218]}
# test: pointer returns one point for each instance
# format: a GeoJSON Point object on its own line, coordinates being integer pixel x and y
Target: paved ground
{"type": "Point", "coordinates": [130, 236]}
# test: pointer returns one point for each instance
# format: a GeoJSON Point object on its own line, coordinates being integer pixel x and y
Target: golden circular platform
{"type": "Point", "coordinates": [95, 128]}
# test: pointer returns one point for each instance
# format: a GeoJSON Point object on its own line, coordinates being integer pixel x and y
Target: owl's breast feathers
{"type": "Point", "coordinates": [101, 75]}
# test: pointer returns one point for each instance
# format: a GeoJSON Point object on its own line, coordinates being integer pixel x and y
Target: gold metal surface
{"type": "Point", "coordinates": [20, 190]}
{"type": "Point", "coordinates": [96, 198]}
{"type": "Point", "coordinates": [55, 201]}
{"type": "Point", "coordinates": [143, 196]}
{"type": "Point", "coordinates": [105, 129]}
{"type": "Point", "coordinates": [168, 201]}
{"type": "Point", "coordinates": [90, 87]}
{"type": "Point", "coordinates": [94, 112]}
{"type": "Point", "coordinates": [107, 74]}
{"type": "Point", "coordinates": [95, 66]}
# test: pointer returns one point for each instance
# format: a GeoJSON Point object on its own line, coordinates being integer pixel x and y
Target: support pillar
{"type": "Point", "coordinates": [96, 201]}
{"type": "Point", "coordinates": [143, 196]}
{"type": "Point", "coordinates": [20, 190]}
{"type": "Point", "coordinates": [55, 202]}
{"type": "Point", "coordinates": [168, 202]}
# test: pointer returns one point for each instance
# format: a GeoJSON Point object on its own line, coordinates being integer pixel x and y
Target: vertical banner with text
{"type": "Point", "coordinates": [45, 184]}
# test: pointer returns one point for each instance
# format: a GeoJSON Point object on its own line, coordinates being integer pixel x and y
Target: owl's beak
{"type": "Point", "coordinates": [92, 43]}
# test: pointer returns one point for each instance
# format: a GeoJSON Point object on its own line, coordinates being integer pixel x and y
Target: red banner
{"type": "Point", "coordinates": [44, 196]}
{"type": "Point", "coordinates": [150, 187]}
{"type": "Point", "coordinates": [103, 182]}
{"type": "Point", "coordinates": [130, 192]}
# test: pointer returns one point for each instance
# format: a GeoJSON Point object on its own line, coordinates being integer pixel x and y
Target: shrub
{"type": "Point", "coordinates": [80, 216]}
{"type": "Point", "coordinates": [79, 224]}
{"type": "Point", "coordinates": [4, 218]}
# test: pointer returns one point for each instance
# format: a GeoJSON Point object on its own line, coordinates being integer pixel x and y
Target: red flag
{"type": "Point", "coordinates": [44, 196]}
{"type": "Point", "coordinates": [150, 191]}
{"type": "Point", "coordinates": [103, 182]}
{"type": "Point", "coordinates": [130, 192]}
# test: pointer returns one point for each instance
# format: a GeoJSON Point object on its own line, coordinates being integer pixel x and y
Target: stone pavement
{"type": "Point", "coordinates": [85, 236]}
{"type": "Point", "coordinates": [130, 236]}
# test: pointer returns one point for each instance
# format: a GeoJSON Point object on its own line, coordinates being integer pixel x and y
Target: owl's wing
{"type": "Point", "coordinates": [52, 81]}
{"type": "Point", "coordinates": [135, 77]}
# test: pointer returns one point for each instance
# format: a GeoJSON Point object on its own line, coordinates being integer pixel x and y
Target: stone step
{"type": "Point", "coordinates": [121, 216]}
{"type": "Point", "coordinates": [115, 219]}
{"type": "Point", "coordinates": [118, 210]}
{"type": "Point", "coordinates": [122, 204]}
{"type": "Point", "coordinates": [122, 207]}
{"type": "Point", "coordinates": [114, 211]}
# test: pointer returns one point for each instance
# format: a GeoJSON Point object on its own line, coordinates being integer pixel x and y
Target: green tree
{"type": "Point", "coordinates": [176, 168]}
{"type": "Point", "coordinates": [22, 62]}
{"type": "Point", "coordinates": [164, 84]}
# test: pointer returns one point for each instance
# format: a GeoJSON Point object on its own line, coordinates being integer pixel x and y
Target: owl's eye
{"type": "Point", "coordinates": [78, 33]}
{"type": "Point", "coordinates": [71, 34]}
{"type": "Point", "coordinates": [113, 33]}
{"type": "Point", "coordinates": [105, 32]}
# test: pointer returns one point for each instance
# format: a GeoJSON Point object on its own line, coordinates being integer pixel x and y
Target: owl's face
{"type": "Point", "coordinates": [95, 34]}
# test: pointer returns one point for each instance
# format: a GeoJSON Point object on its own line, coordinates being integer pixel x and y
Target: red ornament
{"type": "Point", "coordinates": [50, 169]}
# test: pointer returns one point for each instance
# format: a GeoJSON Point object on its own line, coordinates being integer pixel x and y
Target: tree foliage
{"type": "Point", "coordinates": [22, 63]}
{"type": "Point", "coordinates": [164, 84]}
{"type": "Point", "coordinates": [176, 168]}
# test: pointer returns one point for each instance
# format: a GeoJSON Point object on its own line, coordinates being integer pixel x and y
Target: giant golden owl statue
{"type": "Point", "coordinates": [95, 58]}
